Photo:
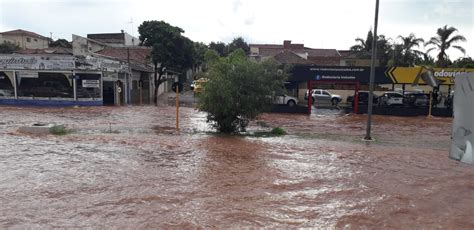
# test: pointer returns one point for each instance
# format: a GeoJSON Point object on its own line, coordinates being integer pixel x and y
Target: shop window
{"type": "Point", "coordinates": [6, 86]}
{"type": "Point", "coordinates": [44, 85]}
{"type": "Point", "coordinates": [88, 86]}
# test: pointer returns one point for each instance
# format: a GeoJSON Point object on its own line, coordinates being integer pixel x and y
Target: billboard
{"type": "Point", "coordinates": [37, 62]}
{"type": "Point", "coordinates": [383, 75]}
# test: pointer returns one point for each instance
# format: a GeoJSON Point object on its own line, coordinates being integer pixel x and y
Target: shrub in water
{"type": "Point", "coordinates": [58, 130]}
{"type": "Point", "coordinates": [278, 131]}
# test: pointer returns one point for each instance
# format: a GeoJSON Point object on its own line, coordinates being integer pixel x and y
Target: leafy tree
{"type": "Point", "coordinates": [211, 56]}
{"type": "Point", "coordinates": [426, 60]}
{"type": "Point", "coordinates": [219, 47]}
{"type": "Point", "coordinates": [364, 47]}
{"type": "Point", "coordinates": [61, 43]}
{"type": "Point", "coordinates": [463, 62]}
{"type": "Point", "coordinates": [200, 50]}
{"type": "Point", "coordinates": [169, 48]}
{"type": "Point", "coordinates": [384, 49]}
{"type": "Point", "coordinates": [238, 43]}
{"type": "Point", "coordinates": [8, 47]}
{"type": "Point", "coordinates": [405, 52]}
{"type": "Point", "coordinates": [443, 41]}
{"type": "Point", "coordinates": [239, 90]}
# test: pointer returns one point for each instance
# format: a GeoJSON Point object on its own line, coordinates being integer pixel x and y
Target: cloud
{"type": "Point", "coordinates": [318, 24]}
{"type": "Point", "coordinates": [236, 4]}
{"type": "Point", "coordinates": [250, 20]}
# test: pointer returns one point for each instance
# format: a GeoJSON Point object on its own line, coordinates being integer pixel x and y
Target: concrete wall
{"type": "Point", "coordinates": [82, 46]}
{"type": "Point", "coordinates": [25, 42]}
{"type": "Point", "coordinates": [130, 40]}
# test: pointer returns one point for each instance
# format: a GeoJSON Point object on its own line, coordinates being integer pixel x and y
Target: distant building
{"type": "Point", "coordinates": [25, 39]}
{"type": "Point", "coordinates": [82, 46]}
{"type": "Point", "coordinates": [350, 58]}
{"type": "Point", "coordinates": [289, 53]}
{"type": "Point", "coordinates": [115, 39]}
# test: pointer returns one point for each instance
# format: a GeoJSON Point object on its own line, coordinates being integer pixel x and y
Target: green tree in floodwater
{"type": "Point", "coordinates": [239, 90]}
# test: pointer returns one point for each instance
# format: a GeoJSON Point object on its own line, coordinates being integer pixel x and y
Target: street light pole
{"type": "Point", "coordinates": [372, 73]}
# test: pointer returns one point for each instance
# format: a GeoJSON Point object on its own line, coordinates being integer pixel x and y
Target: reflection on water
{"type": "Point", "coordinates": [144, 174]}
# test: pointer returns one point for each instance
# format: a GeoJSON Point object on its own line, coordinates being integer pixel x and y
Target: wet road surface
{"type": "Point", "coordinates": [127, 168]}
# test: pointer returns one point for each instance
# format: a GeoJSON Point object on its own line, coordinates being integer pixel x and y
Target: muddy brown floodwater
{"type": "Point", "coordinates": [125, 167]}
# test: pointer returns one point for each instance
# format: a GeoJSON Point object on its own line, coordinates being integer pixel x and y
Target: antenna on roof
{"type": "Point", "coordinates": [131, 22]}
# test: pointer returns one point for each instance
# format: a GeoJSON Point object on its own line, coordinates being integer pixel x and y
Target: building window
{"type": "Point", "coordinates": [28, 39]}
{"type": "Point", "coordinates": [35, 40]}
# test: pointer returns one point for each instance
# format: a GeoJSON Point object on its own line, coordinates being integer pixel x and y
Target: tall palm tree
{"type": "Point", "coordinates": [363, 47]}
{"type": "Point", "coordinates": [409, 54]}
{"type": "Point", "coordinates": [442, 42]}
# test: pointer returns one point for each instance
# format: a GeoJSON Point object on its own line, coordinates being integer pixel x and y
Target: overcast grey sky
{"type": "Point", "coordinates": [316, 23]}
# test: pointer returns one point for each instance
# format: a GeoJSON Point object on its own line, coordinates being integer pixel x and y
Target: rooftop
{"type": "Point", "coordinates": [23, 33]}
{"type": "Point", "coordinates": [138, 54]}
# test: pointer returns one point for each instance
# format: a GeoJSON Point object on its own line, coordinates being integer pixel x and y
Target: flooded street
{"type": "Point", "coordinates": [126, 167]}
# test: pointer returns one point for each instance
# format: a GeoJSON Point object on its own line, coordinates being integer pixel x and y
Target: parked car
{"type": "Point", "coordinates": [391, 99]}
{"type": "Point", "coordinates": [322, 95]}
{"type": "Point", "coordinates": [363, 98]}
{"type": "Point", "coordinates": [285, 100]}
{"type": "Point", "coordinates": [416, 99]}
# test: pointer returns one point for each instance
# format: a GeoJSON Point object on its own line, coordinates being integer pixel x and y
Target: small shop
{"type": "Point", "coordinates": [61, 80]}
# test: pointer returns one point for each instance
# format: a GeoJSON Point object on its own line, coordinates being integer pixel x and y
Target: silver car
{"type": "Point", "coordinates": [391, 99]}
{"type": "Point", "coordinates": [321, 95]}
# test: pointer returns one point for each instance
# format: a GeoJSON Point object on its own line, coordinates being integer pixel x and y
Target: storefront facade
{"type": "Point", "coordinates": [61, 80]}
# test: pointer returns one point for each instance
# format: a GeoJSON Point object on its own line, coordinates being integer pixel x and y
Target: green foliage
{"type": "Point", "coordinates": [170, 49]}
{"type": "Point", "coordinates": [442, 42]}
{"type": "Point", "coordinates": [168, 46]}
{"type": "Point", "coordinates": [58, 130]}
{"type": "Point", "coordinates": [238, 43]}
{"type": "Point", "coordinates": [224, 50]}
{"type": "Point", "coordinates": [8, 47]}
{"type": "Point", "coordinates": [199, 53]}
{"type": "Point", "coordinates": [239, 90]}
{"type": "Point", "coordinates": [463, 62]}
{"type": "Point", "coordinates": [405, 55]}
{"type": "Point", "coordinates": [219, 47]}
{"type": "Point", "coordinates": [211, 56]}
{"type": "Point", "coordinates": [364, 48]}
{"type": "Point", "coordinates": [278, 131]}
{"type": "Point", "coordinates": [61, 43]}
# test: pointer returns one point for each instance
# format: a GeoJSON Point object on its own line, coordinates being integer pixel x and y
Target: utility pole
{"type": "Point", "coordinates": [372, 73]}
{"type": "Point", "coordinates": [129, 76]}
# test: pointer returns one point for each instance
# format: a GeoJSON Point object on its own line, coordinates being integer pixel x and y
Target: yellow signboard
{"type": "Point", "coordinates": [407, 75]}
